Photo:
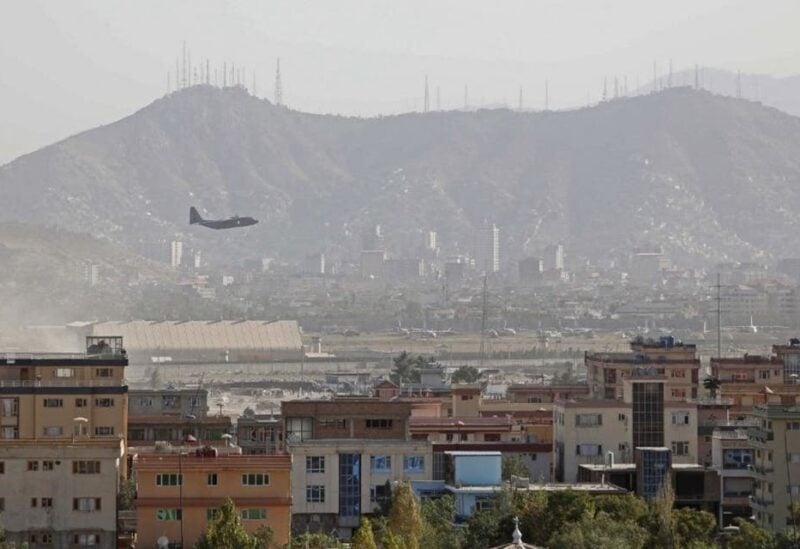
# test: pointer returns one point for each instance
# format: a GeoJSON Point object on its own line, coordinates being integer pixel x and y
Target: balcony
{"type": "Point", "coordinates": [760, 436]}
{"type": "Point", "coordinates": [762, 470]}
{"type": "Point", "coordinates": [761, 501]}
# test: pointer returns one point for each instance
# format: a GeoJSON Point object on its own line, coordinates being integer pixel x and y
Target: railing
{"type": "Point", "coordinates": [738, 494]}
{"type": "Point", "coordinates": [10, 357]}
{"type": "Point", "coordinates": [67, 382]}
{"type": "Point", "coordinates": [709, 401]}
{"type": "Point", "coordinates": [760, 435]}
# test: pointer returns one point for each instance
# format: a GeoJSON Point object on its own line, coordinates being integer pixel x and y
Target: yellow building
{"type": "Point", "coordinates": [62, 441]}
{"type": "Point", "coordinates": [178, 492]}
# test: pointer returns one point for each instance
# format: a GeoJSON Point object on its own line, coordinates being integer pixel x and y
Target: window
{"type": "Point", "coordinates": [8, 433]}
{"type": "Point", "coordinates": [48, 465]}
{"type": "Point", "coordinates": [64, 372]}
{"type": "Point", "coordinates": [169, 479]}
{"type": "Point", "coordinates": [315, 464]}
{"type": "Point", "coordinates": [81, 403]}
{"type": "Point", "coordinates": [53, 402]}
{"type": "Point", "coordinates": [414, 464]}
{"type": "Point", "coordinates": [86, 467]}
{"type": "Point", "coordinates": [680, 448]}
{"type": "Point", "coordinates": [86, 505]}
{"type": "Point", "coordinates": [47, 502]}
{"type": "Point", "coordinates": [103, 372]}
{"type": "Point", "coordinates": [212, 479]}
{"type": "Point", "coordinates": [104, 402]}
{"type": "Point", "coordinates": [55, 431]}
{"type": "Point", "coordinates": [588, 420]}
{"type": "Point", "coordinates": [2, 467]}
{"type": "Point", "coordinates": [9, 407]}
{"type": "Point", "coordinates": [621, 417]}
{"type": "Point", "coordinates": [86, 540]}
{"type": "Point", "coordinates": [678, 393]}
{"type": "Point", "coordinates": [466, 397]}
{"type": "Point", "coordinates": [255, 479]}
{"type": "Point", "coordinates": [792, 425]}
{"type": "Point", "coordinates": [43, 538]}
{"type": "Point", "coordinates": [483, 503]}
{"type": "Point", "coordinates": [589, 450]}
{"type": "Point", "coordinates": [2, 504]}
{"type": "Point", "coordinates": [145, 402]}
{"type": "Point", "coordinates": [380, 464]}
{"type": "Point", "coordinates": [763, 374]}
{"type": "Point", "coordinates": [315, 493]}
{"type": "Point", "coordinates": [491, 437]}
{"type": "Point", "coordinates": [793, 489]}
{"type": "Point", "coordinates": [33, 466]}
{"type": "Point", "coordinates": [254, 514]}
{"type": "Point", "coordinates": [103, 431]}
{"type": "Point", "coordinates": [680, 418]}
{"type": "Point", "coordinates": [168, 514]}
{"type": "Point", "coordinates": [333, 423]}
{"type": "Point", "coordinates": [678, 373]}
{"type": "Point", "coordinates": [379, 424]}
{"type": "Point", "coordinates": [212, 513]}
{"type": "Point", "coordinates": [380, 493]}
{"type": "Point", "coordinates": [34, 502]}
{"type": "Point", "coordinates": [793, 458]}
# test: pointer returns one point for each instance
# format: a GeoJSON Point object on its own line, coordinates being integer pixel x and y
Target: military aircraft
{"type": "Point", "coordinates": [230, 223]}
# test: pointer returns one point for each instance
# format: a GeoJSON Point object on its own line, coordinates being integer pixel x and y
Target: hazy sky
{"type": "Point", "coordinates": [66, 66]}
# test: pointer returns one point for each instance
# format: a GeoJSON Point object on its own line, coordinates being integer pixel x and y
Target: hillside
{"type": "Point", "coordinates": [707, 177]}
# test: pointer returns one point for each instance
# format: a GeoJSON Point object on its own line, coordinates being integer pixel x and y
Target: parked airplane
{"type": "Point", "coordinates": [230, 223]}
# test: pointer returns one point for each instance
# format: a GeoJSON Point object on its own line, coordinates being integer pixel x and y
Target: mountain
{"type": "Point", "coordinates": [783, 93]}
{"type": "Point", "coordinates": [707, 177]}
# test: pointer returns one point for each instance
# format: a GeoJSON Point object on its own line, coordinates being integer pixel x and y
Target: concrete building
{"type": "Point", "coordinates": [677, 361]}
{"type": "Point", "coordinates": [589, 431]}
{"type": "Point", "coordinates": [487, 249]}
{"type": "Point", "coordinates": [345, 452]}
{"type": "Point", "coordinates": [146, 431]}
{"type": "Point", "coordinates": [776, 466]}
{"type": "Point", "coordinates": [733, 459]}
{"type": "Point", "coordinates": [168, 402]}
{"type": "Point", "coordinates": [260, 434]}
{"type": "Point", "coordinates": [62, 441]}
{"type": "Point", "coordinates": [179, 492]}
{"type": "Point", "coordinates": [176, 254]}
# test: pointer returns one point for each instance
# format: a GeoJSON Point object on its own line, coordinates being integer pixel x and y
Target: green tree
{"type": "Point", "coordinates": [406, 368]}
{"type": "Point", "coordinates": [543, 517]}
{"type": "Point", "coordinates": [438, 517]}
{"type": "Point", "coordinates": [599, 532]}
{"type": "Point", "coordinates": [364, 538]}
{"type": "Point", "coordinates": [513, 464]}
{"type": "Point", "coordinates": [483, 528]}
{"type": "Point", "coordinates": [712, 385]}
{"type": "Point", "coordinates": [465, 374]}
{"type": "Point", "coordinates": [126, 497]}
{"type": "Point", "coordinates": [405, 518]}
{"type": "Point", "coordinates": [225, 531]}
{"type": "Point", "coordinates": [314, 541]}
{"type": "Point", "coordinates": [620, 508]}
{"type": "Point", "coordinates": [694, 527]}
{"type": "Point", "coordinates": [750, 536]}
{"type": "Point", "coordinates": [660, 521]}
{"type": "Point", "coordinates": [265, 537]}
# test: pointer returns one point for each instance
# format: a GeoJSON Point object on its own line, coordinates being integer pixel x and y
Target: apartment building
{"type": "Point", "coordinates": [587, 431]}
{"type": "Point", "coordinates": [168, 401]}
{"type": "Point", "coordinates": [776, 465]}
{"type": "Point", "coordinates": [733, 459]}
{"type": "Point", "coordinates": [62, 440]}
{"type": "Point", "coordinates": [260, 433]}
{"type": "Point", "coordinates": [677, 362]}
{"type": "Point", "coordinates": [345, 453]}
{"type": "Point", "coordinates": [178, 492]}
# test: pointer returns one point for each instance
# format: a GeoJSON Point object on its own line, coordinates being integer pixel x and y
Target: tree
{"type": "Point", "coordinates": [225, 531]}
{"type": "Point", "coordinates": [438, 517]}
{"type": "Point", "coordinates": [624, 507]}
{"type": "Point", "coordinates": [406, 368]}
{"type": "Point", "coordinates": [265, 537]}
{"type": "Point", "coordinates": [661, 521]}
{"type": "Point", "coordinates": [513, 464]}
{"type": "Point", "coordinates": [155, 378]}
{"type": "Point", "coordinates": [465, 374]}
{"type": "Point", "coordinates": [126, 497]}
{"type": "Point", "coordinates": [364, 538]}
{"type": "Point", "coordinates": [712, 385]}
{"type": "Point", "coordinates": [694, 527]}
{"type": "Point", "coordinates": [314, 541]}
{"type": "Point", "coordinates": [405, 518]}
{"type": "Point", "coordinates": [750, 536]}
{"type": "Point", "coordinates": [599, 532]}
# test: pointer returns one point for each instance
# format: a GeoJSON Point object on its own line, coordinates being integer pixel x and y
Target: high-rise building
{"type": "Point", "coordinates": [429, 240]}
{"type": "Point", "coordinates": [487, 249]}
{"type": "Point", "coordinates": [554, 258]}
{"type": "Point", "coordinates": [62, 443]}
{"type": "Point", "coordinates": [176, 255]}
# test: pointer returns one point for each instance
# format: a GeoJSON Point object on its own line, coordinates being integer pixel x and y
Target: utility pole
{"type": "Point", "coordinates": [719, 317]}
{"type": "Point", "coordinates": [426, 104]}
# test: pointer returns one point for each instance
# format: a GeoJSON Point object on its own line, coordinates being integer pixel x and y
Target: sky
{"type": "Point", "coordinates": [68, 66]}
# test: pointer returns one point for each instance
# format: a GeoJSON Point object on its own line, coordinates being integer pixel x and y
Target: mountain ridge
{"type": "Point", "coordinates": [678, 169]}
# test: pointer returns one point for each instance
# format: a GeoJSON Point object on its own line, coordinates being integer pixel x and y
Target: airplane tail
{"type": "Point", "coordinates": [194, 217]}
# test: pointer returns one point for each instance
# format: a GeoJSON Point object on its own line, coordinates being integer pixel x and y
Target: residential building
{"type": "Point", "coordinates": [147, 430]}
{"type": "Point", "coordinates": [487, 249]}
{"type": "Point", "coordinates": [733, 459]}
{"type": "Point", "coordinates": [260, 434]}
{"type": "Point", "coordinates": [776, 466]}
{"type": "Point", "coordinates": [586, 431]}
{"type": "Point", "coordinates": [168, 402]}
{"type": "Point", "coordinates": [62, 442]}
{"type": "Point", "coordinates": [346, 452]}
{"type": "Point", "coordinates": [179, 491]}
{"type": "Point", "coordinates": [677, 361]}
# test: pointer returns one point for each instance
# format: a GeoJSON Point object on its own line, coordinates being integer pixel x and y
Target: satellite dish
{"type": "Point", "coordinates": [162, 542]}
